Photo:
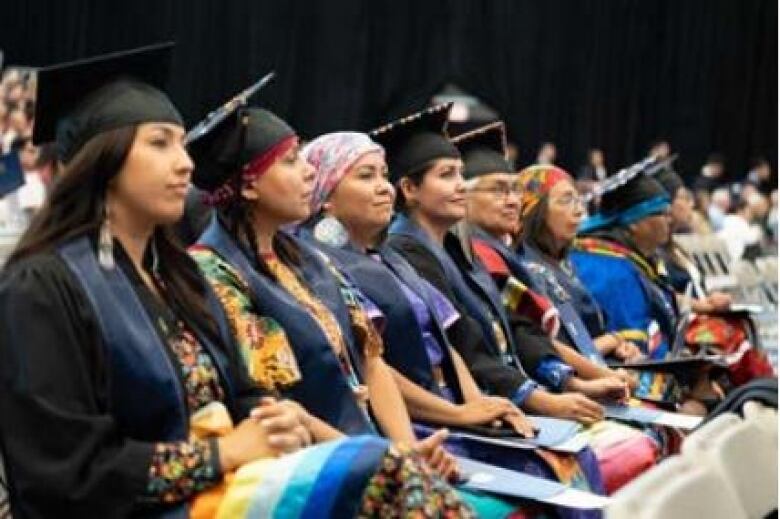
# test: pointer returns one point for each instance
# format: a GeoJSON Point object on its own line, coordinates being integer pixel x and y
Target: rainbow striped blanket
{"type": "Point", "coordinates": [347, 478]}
{"type": "Point", "coordinates": [327, 480]}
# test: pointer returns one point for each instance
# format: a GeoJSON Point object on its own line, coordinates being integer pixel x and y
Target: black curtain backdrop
{"type": "Point", "coordinates": [615, 74]}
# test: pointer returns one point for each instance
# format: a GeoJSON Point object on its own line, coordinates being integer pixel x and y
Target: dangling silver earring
{"type": "Point", "coordinates": [331, 232]}
{"type": "Point", "coordinates": [106, 242]}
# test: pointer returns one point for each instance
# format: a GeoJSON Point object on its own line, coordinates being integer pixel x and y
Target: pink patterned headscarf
{"type": "Point", "coordinates": [332, 155]}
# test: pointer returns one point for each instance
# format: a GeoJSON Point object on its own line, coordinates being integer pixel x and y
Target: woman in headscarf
{"type": "Point", "coordinates": [352, 205]}
{"type": "Point", "coordinates": [425, 168]}
{"type": "Point", "coordinates": [551, 211]}
{"type": "Point", "coordinates": [113, 351]}
{"type": "Point", "coordinates": [501, 348]}
{"type": "Point", "coordinates": [351, 209]}
{"type": "Point", "coordinates": [493, 211]}
{"type": "Point", "coordinates": [303, 330]}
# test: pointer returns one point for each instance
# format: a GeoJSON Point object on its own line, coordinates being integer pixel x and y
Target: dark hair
{"type": "Point", "coordinates": [657, 143]}
{"type": "Point", "coordinates": [415, 176]}
{"type": "Point", "coordinates": [47, 155]}
{"type": "Point", "coordinates": [29, 109]}
{"type": "Point", "coordinates": [236, 216]}
{"type": "Point", "coordinates": [534, 230]}
{"type": "Point", "coordinates": [740, 206]}
{"type": "Point", "coordinates": [18, 143]}
{"type": "Point", "coordinates": [758, 162]}
{"type": "Point", "coordinates": [75, 207]}
{"type": "Point", "coordinates": [716, 158]}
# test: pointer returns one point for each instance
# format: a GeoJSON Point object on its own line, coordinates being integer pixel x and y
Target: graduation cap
{"type": "Point", "coordinates": [649, 166]}
{"type": "Point", "coordinates": [77, 100]}
{"type": "Point", "coordinates": [484, 150]}
{"type": "Point", "coordinates": [240, 137]}
{"type": "Point", "coordinates": [639, 189]}
{"type": "Point", "coordinates": [216, 116]}
{"type": "Point", "coordinates": [629, 196]}
{"type": "Point", "coordinates": [414, 140]}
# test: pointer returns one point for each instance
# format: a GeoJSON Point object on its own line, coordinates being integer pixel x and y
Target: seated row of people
{"type": "Point", "coordinates": [124, 392]}
{"type": "Point", "coordinates": [303, 355]}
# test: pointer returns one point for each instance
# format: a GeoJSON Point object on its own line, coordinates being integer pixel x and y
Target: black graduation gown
{"type": "Point", "coordinates": [466, 334]}
{"type": "Point", "coordinates": [65, 454]}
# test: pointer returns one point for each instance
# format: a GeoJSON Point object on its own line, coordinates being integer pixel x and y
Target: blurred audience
{"type": "Point", "coordinates": [742, 229]}
{"type": "Point", "coordinates": [712, 174]}
{"type": "Point", "coordinates": [590, 174]}
{"type": "Point", "coordinates": [594, 170]}
{"type": "Point", "coordinates": [547, 153]}
{"type": "Point", "coordinates": [17, 109]}
{"type": "Point", "coordinates": [745, 214]}
{"type": "Point", "coordinates": [719, 206]}
{"type": "Point", "coordinates": [760, 176]}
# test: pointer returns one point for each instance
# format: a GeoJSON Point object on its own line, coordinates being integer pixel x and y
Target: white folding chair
{"type": "Point", "coordinates": [711, 256]}
{"type": "Point", "coordinates": [705, 435]}
{"type": "Point", "coordinates": [744, 454]}
{"type": "Point", "coordinates": [768, 267]}
{"type": "Point", "coordinates": [678, 488]}
{"type": "Point", "coordinates": [764, 417]}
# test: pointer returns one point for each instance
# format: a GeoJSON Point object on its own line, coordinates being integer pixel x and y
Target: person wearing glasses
{"type": "Point", "coordinates": [494, 204]}
{"type": "Point", "coordinates": [110, 348]}
{"type": "Point", "coordinates": [551, 213]}
{"type": "Point", "coordinates": [426, 169]}
{"type": "Point", "coordinates": [494, 211]}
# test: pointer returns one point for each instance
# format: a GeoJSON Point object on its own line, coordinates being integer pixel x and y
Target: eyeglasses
{"type": "Point", "coordinates": [499, 190]}
{"type": "Point", "coordinates": [569, 201]}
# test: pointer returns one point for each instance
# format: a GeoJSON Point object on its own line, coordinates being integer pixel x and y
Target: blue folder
{"type": "Point", "coordinates": [551, 433]}
{"type": "Point", "coordinates": [631, 413]}
{"type": "Point", "coordinates": [496, 480]}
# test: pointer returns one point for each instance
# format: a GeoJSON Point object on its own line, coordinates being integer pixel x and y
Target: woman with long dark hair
{"type": "Point", "coordinates": [106, 328]}
{"type": "Point", "coordinates": [121, 390]}
{"type": "Point", "coordinates": [351, 210]}
{"type": "Point", "coordinates": [323, 349]}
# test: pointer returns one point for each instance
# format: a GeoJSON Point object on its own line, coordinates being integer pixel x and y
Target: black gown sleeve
{"type": "Point", "coordinates": [465, 334]}
{"type": "Point", "coordinates": [533, 344]}
{"type": "Point", "coordinates": [63, 452]}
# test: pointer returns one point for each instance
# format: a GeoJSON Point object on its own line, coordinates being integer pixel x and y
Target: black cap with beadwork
{"type": "Point", "coordinates": [236, 140]}
{"type": "Point", "coordinates": [415, 140]}
{"type": "Point", "coordinates": [76, 101]}
{"type": "Point", "coordinates": [629, 196]}
{"type": "Point", "coordinates": [484, 150]}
